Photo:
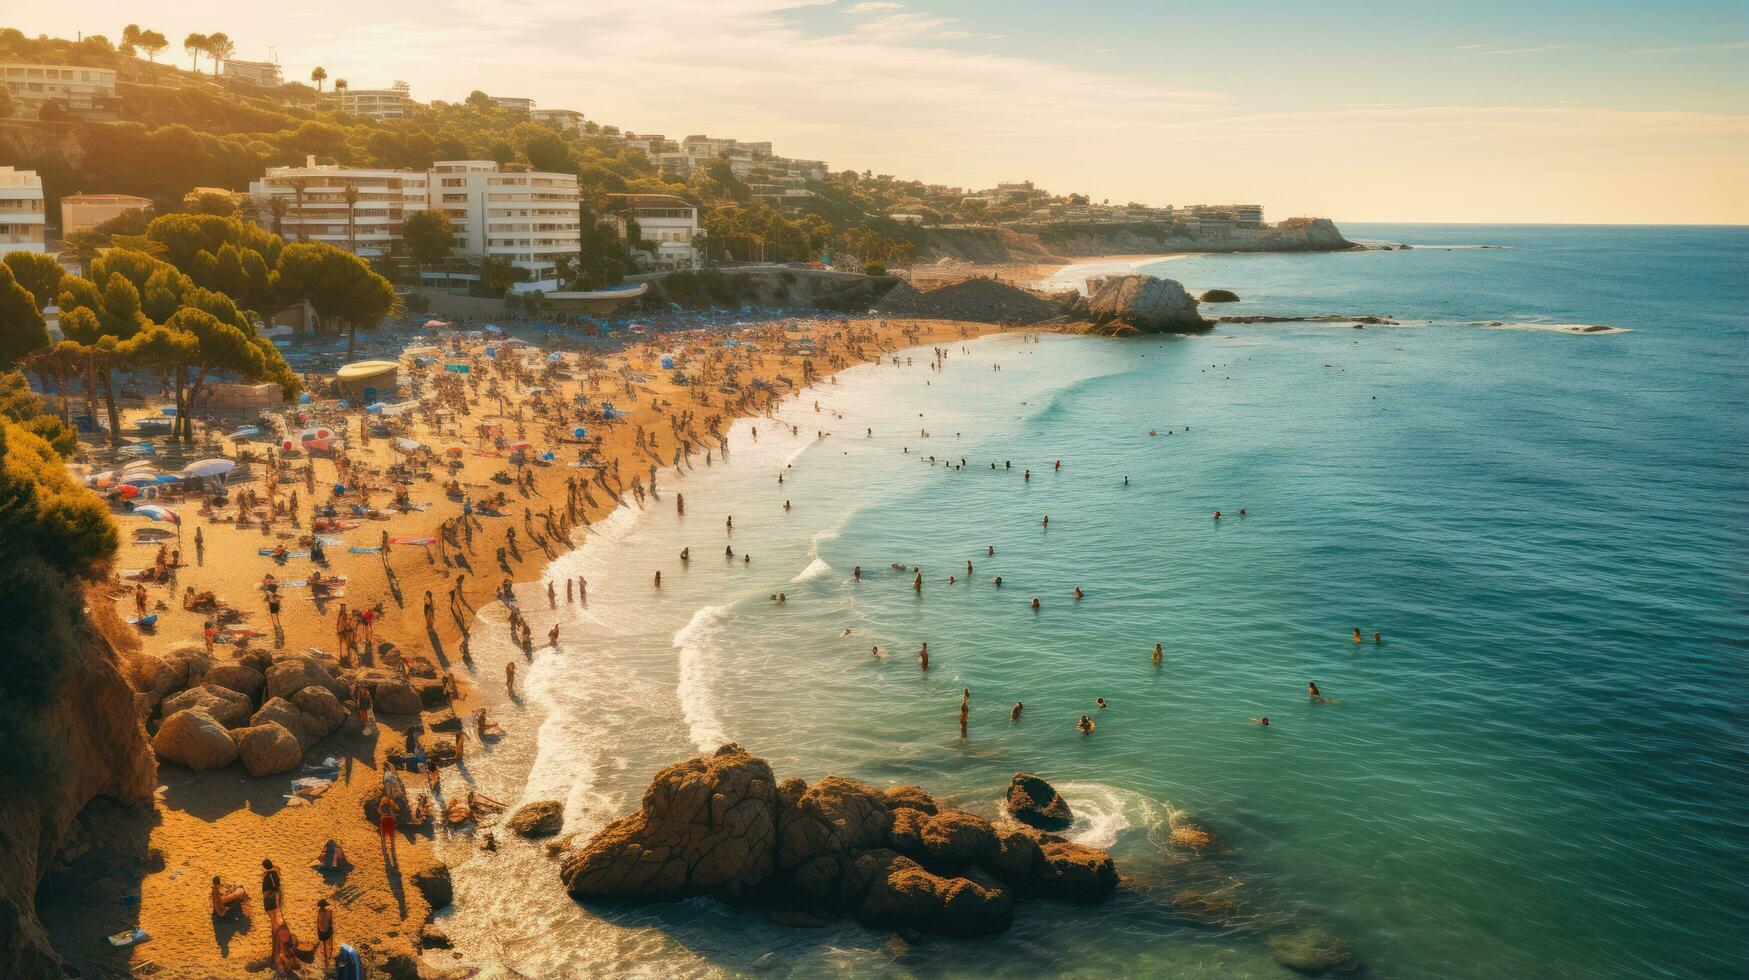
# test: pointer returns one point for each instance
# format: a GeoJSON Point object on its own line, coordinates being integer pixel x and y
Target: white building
{"type": "Point", "coordinates": [21, 211]}
{"type": "Point", "coordinates": [83, 212]}
{"type": "Point", "coordinates": [394, 102]}
{"type": "Point", "coordinates": [316, 209]}
{"type": "Point", "coordinates": [77, 88]}
{"type": "Point", "coordinates": [529, 217]}
{"type": "Point", "coordinates": [263, 73]}
{"type": "Point", "coordinates": [512, 103]}
{"type": "Point", "coordinates": [565, 119]}
{"type": "Point", "coordinates": [668, 221]}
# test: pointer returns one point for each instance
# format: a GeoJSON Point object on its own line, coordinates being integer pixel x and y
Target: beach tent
{"type": "Point", "coordinates": [158, 513]}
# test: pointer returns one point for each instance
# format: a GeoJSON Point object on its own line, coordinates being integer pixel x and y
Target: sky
{"type": "Point", "coordinates": [1359, 110]}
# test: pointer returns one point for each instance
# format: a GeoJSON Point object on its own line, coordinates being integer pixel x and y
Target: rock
{"type": "Point", "coordinates": [1312, 952]}
{"type": "Point", "coordinates": [909, 797]}
{"type": "Point", "coordinates": [906, 837]}
{"type": "Point", "coordinates": [901, 894]}
{"type": "Point", "coordinates": [268, 749]}
{"type": "Point", "coordinates": [226, 706]}
{"type": "Point", "coordinates": [235, 676]}
{"type": "Point", "coordinates": [1148, 304]}
{"type": "Point", "coordinates": [432, 936]}
{"type": "Point", "coordinates": [285, 714]}
{"type": "Point", "coordinates": [321, 712]}
{"type": "Point", "coordinates": [707, 826]}
{"type": "Point", "coordinates": [821, 834]}
{"type": "Point", "coordinates": [1074, 872]}
{"type": "Point", "coordinates": [396, 698]}
{"type": "Point", "coordinates": [443, 721]}
{"type": "Point", "coordinates": [158, 677]}
{"type": "Point", "coordinates": [1204, 907]}
{"type": "Point", "coordinates": [433, 882]}
{"type": "Point", "coordinates": [1018, 860]}
{"type": "Point", "coordinates": [1036, 803]}
{"type": "Point", "coordinates": [431, 693]}
{"type": "Point", "coordinates": [1189, 834]}
{"type": "Point", "coordinates": [540, 819]}
{"type": "Point", "coordinates": [195, 739]}
{"type": "Point", "coordinates": [1219, 296]}
{"type": "Point", "coordinates": [293, 672]}
{"type": "Point", "coordinates": [953, 838]}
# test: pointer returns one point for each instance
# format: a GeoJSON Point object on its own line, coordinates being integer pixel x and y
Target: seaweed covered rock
{"type": "Point", "coordinates": [1036, 803]}
{"type": "Point", "coordinates": [707, 826]}
{"type": "Point", "coordinates": [902, 894]}
{"type": "Point", "coordinates": [542, 818]}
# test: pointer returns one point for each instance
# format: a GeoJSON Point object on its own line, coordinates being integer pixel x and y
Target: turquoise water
{"type": "Point", "coordinates": [1538, 773]}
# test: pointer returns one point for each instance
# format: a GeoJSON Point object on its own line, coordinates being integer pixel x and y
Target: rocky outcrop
{"type": "Point", "coordinates": [1218, 296]}
{"type": "Point", "coordinates": [719, 825]}
{"type": "Point", "coordinates": [279, 711]}
{"type": "Point", "coordinates": [293, 672]}
{"type": "Point", "coordinates": [268, 749]}
{"type": "Point", "coordinates": [1303, 235]}
{"type": "Point", "coordinates": [195, 739]}
{"type": "Point", "coordinates": [235, 676]}
{"type": "Point", "coordinates": [225, 705]}
{"type": "Point", "coordinates": [1036, 803]}
{"type": "Point", "coordinates": [981, 300]}
{"type": "Point", "coordinates": [320, 711]}
{"type": "Point", "coordinates": [1134, 304]}
{"type": "Point", "coordinates": [542, 818]}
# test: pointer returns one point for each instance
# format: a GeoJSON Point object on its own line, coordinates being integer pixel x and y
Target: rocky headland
{"type": "Point", "coordinates": [722, 825]}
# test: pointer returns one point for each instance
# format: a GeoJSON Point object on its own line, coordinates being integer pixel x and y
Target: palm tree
{"type": "Point", "coordinates": [340, 85]}
{"type": "Point", "coordinates": [351, 196]}
{"type": "Point", "coordinates": [298, 184]}
{"type": "Point", "coordinates": [276, 206]}
{"type": "Point", "coordinates": [318, 75]}
{"type": "Point", "coordinates": [193, 45]}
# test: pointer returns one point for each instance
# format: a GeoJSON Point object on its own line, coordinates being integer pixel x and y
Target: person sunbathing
{"type": "Point", "coordinates": [226, 897]}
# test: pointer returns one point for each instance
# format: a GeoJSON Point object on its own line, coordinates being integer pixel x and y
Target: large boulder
{"type": "Point", "coordinates": [542, 818]}
{"type": "Point", "coordinates": [195, 739]}
{"type": "Point", "coordinates": [954, 838]}
{"type": "Point", "coordinates": [159, 676]}
{"type": "Point", "coordinates": [285, 714]}
{"type": "Point", "coordinates": [707, 826]}
{"type": "Point", "coordinates": [226, 706]}
{"type": "Point", "coordinates": [1036, 803]}
{"type": "Point", "coordinates": [822, 830]}
{"type": "Point", "coordinates": [1141, 304]}
{"type": "Point", "coordinates": [396, 698]}
{"type": "Point", "coordinates": [1074, 872]}
{"type": "Point", "coordinates": [909, 798]}
{"type": "Point", "coordinates": [901, 894]}
{"type": "Point", "coordinates": [293, 672]}
{"type": "Point", "coordinates": [268, 749]}
{"type": "Point", "coordinates": [235, 676]}
{"type": "Point", "coordinates": [1219, 296]}
{"type": "Point", "coordinates": [321, 712]}
{"type": "Point", "coordinates": [434, 883]}
{"type": "Point", "coordinates": [1312, 952]}
{"type": "Point", "coordinates": [1018, 860]}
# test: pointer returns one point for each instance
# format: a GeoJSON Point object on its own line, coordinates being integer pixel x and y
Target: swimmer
{"type": "Point", "coordinates": [1078, 592]}
{"type": "Point", "coordinates": [1217, 515]}
{"type": "Point", "coordinates": [1357, 634]}
{"type": "Point", "coordinates": [1085, 725]}
{"type": "Point", "coordinates": [553, 635]}
{"type": "Point", "coordinates": [1015, 714]}
{"type": "Point", "coordinates": [1035, 603]}
{"type": "Point", "coordinates": [857, 574]}
{"type": "Point", "coordinates": [1376, 638]}
{"type": "Point", "coordinates": [1047, 521]}
{"type": "Point", "coordinates": [1241, 512]}
{"type": "Point", "coordinates": [1264, 721]}
{"type": "Point", "coordinates": [1159, 652]}
{"type": "Point", "coordinates": [685, 554]}
{"type": "Point", "coordinates": [658, 580]}
{"type": "Point", "coordinates": [728, 551]}
{"type": "Point", "coordinates": [990, 551]}
{"type": "Point", "coordinates": [923, 657]}
{"type": "Point", "coordinates": [998, 581]}
{"type": "Point", "coordinates": [1315, 694]}
{"type": "Point", "coordinates": [1100, 702]}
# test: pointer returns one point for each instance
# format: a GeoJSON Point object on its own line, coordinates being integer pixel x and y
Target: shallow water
{"type": "Point", "coordinates": [1539, 772]}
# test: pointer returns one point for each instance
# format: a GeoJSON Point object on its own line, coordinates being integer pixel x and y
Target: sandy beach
{"type": "Point", "coordinates": [223, 822]}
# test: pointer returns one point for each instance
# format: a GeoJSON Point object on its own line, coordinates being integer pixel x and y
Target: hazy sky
{"type": "Point", "coordinates": [1535, 110]}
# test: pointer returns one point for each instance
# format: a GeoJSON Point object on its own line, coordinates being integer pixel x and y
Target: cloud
{"type": "Point", "coordinates": [1538, 50]}
{"type": "Point", "coordinates": [867, 8]}
{"type": "Point", "coordinates": [900, 27]}
{"type": "Point", "coordinates": [1732, 46]}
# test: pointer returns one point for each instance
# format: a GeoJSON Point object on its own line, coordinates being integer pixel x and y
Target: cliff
{"type": "Point", "coordinates": [1059, 241]}
{"type": "Point", "coordinates": [784, 289]}
{"type": "Point", "coordinates": [90, 729]}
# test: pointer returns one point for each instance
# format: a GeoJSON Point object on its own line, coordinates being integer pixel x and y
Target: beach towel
{"type": "Point", "coordinates": [364, 551]}
{"type": "Point", "coordinates": [409, 539]}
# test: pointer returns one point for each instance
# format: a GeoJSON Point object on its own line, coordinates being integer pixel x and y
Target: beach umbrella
{"type": "Point", "coordinates": [209, 467]}
{"type": "Point", "coordinates": [375, 408]}
{"type": "Point", "coordinates": [580, 432]}
{"type": "Point", "coordinates": [410, 445]}
{"type": "Point", "coordinates": [158, 513]}
{"type": "Point", "coordinates": [140, 479]}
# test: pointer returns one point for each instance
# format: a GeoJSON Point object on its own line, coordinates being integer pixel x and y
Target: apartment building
{"type": "Point", "coordinates": [394, 102]}
{"type": "Point", "coordinates": [316, 208]}
{"type": "Point", "coordinates": [668, 221]}
{"type": "Point", "coordinates": [525, 106]}
{"type": "Point", "coordinates": [565, 119]}
{"type": "Point", "coordinates": [263, 73]}
{"type": "Point", "coordinates": [83, 212]}
{"type": "Point", "coordinates": [527, 216]}
{"type": "Point", "coordinates": [81, 90]}
{"type": "Point", "coordinates": [21, 211]}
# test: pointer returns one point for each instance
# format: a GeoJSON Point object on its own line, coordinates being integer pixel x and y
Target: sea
{"type": "Point", "coordinates": [1538, 771]}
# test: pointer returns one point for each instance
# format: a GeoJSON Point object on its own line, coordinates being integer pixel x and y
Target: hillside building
{"type": "Point", "coordinates": [316, 210]}
{"type": "Point", "coordinates": [669, 222]}
{"type": "Point", "coordinates": [263, 73]}
{"type": "Point", "coordinates": [83, 212]}
{"type": "Point", "coordinates": [81, 90]}
{"type": "Point", "coordinates": [394, 102]}
{"type": "Point", "coordinates": [21, 211]}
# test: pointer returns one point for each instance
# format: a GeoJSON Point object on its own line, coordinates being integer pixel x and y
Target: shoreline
{"type": "Point", "coordinates": [222, 821]}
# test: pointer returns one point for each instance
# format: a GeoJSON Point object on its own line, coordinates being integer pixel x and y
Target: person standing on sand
{"type": "Point", "coordinates": [386, 807]}
{"type": "Point", "coordinates": [199, 547]}
{"type": "Point", "coordinates": [324, 933]}
{"type": "Point", "coordinates": [270, 893]}
{"type": "Point", "coordinates": [552, 595]}
{"type": "Point", "coordinates": [510, 677]}
{"type": "Point", "coordinates": [430, 612]}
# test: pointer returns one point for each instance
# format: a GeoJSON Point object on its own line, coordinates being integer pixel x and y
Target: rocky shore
{"type": "Point", "coordinates": [723, 826]}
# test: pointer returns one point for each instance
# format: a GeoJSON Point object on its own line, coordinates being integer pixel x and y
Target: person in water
{"type": "Point", "coordinates": [923, 657]}
{"type": "Point", "coordinates": [1015, 714]}
{"type": "Point", "coordinates": [1264, 721]}
{"type": "Point", "coordinates": [1100, 702]}
{"type": "Point", "coordinates": [1159, 652]}
{"type": "Point", "coordinates": [1085, 725]}
{"type": "Point", "coordinates": [1376, 638]}
{"type": "Point", "coordinates": [1315, 694]}
{"type": "Point", "coordinates": [1035, 603]}
{"type": "Point", "coordinates": [1078, 592]}
{"type": "Point", "coordinates": [1357, 634]}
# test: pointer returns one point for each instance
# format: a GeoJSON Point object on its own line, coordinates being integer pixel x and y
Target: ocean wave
{"type": "Point", "coordinates": [1578, 328]}
{"type": "Point", "coordinates": [815, 569]}
{"type": "Point", "coordinates": [1103, 812]}
{"type": "Point", "coordinates": [694, 688]}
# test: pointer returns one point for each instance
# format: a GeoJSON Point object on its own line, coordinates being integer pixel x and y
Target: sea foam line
{"type": "Point", "coordinates": [697, 697]}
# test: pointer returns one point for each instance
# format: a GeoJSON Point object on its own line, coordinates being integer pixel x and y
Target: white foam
{"type": "Point", "coordinates": [1103, 812]}
{"type": "Point", "coordinates": [697, 698]}
{"type": "Point", "coordinates": [815, 569]}
{"type": "Point", "coordinates": [1584, 329]}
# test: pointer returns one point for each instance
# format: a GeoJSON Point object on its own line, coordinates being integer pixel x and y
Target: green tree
{"type": "Point", "coordinates": [498, 274]}
{"type": "Point", "coordinates": [21, 322]}
{"type": "Point", "coordinates": [37, 272]}
{"type": "Point", "coordinates": [351, 197]}
{"type": "Point", "coordinates": [429, 237]}
{"type": "Point", "coordinates": [213, 203]}
{"type": "Point", "coordinates": [153, 43]}
{"type": "Point", "coordinates": [194, 45]}
{"type": "Point", "coordinates": [21, 405]}
{"type": "Point", "coordinates": [337, 284]}
{"type": "Point", "coordinates": [220, 47]}
{"type": "Point", "coordinates": [549, 152]}
{"type": "Point", "coordinates": [318, 75]}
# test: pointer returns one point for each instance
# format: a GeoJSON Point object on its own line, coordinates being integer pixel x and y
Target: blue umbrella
{"type": "Point", "coordinates": [580, 432]}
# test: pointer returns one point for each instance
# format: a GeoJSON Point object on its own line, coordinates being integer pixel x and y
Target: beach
{"type": "Point", "coordinates": [222, 822]}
